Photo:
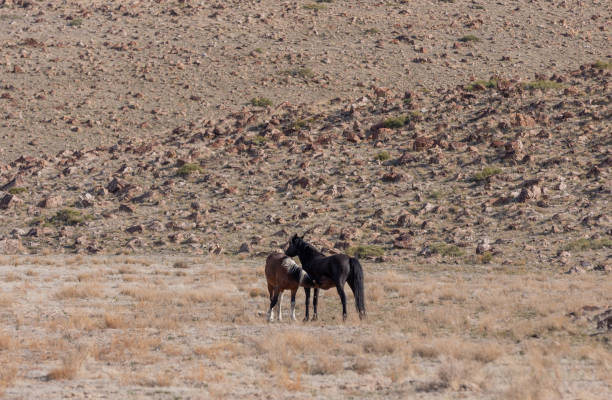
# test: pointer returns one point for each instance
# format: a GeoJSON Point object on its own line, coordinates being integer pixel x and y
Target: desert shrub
{"type": "Point", "coordinates": [589, 244]}
{"type": "Point", "coordinates": [383, 156]}
{"type": "Point", "coordinates": [188, 169]}
{"type": "Point", "coordinates": [261, 102]}
{"type": "Point", "coordinates": [469, 38]}
{"type": "Point", "coordinates": [486, 172]}
{"type": "Point", "coordinates": [543, 85]}
{"type": "Point", "coordinates": [17, 190]}
{"type": "Point", "coordinates": [446, 250]}
{"type": "Point", "coordinates": [490, 84]}
{"type": "Point", "coordinates": [69, 216]}
{"type": "Point", "coordinates": [365, 251]}
{"type": "Point", "coordinates": [602, 65]}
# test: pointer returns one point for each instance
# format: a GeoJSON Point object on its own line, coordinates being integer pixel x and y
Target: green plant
{"type": "Point", "coordinates": [602, 65]}
{"type": "Point", "coordinates": [188, 169]}
{"type": "Point", "coordinates": [589, 244]}
{"type": "Point", "coordinates": [436, 195]}
{"type": "Point", "coordinates": [543, 85]}
{"type": "Point", "coordinates": [314, 6]}
{"type": "Point", "coordinates": [446, 250]}
{"type": "Point", "coordinates": [17, 190]}
{"type": "Point", "coordinates": [383, 156]}
{"type": "Point", "coordinates": [469, 38]}
{"type": "Point", "coordinates": [261, 102]}
{"type": "Point", "coordinates": [75, 22]}
{"type": "Point", "coordinates": [486, 257]}
{"type": "Point", "coordinates": [258, 140]}
{"type": "Point", "coordinates": [400, 121]}
{"type": "Point", "coordinates": [301, 73]}
{"type": "Point", "coordinates": [69, 216]}
{"type": "Point", "coordinates": [365, 251]}
{"type": "Point", "coordinates": [490, 84]}
{"type": "Point", "coordinates": [486, 172]}
{"type": "Point", "coordinates": [371, 31]}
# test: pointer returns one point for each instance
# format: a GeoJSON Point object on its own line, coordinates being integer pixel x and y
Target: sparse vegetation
{"type": "Point", "coordinates": [602, 65]}
{"type": "Point", "coordinates": [371, 31]}
{"type": "Point", "coordinates": [543, 85]}
{"type": "Point", "coordinates": [589, 244]}
{"type": "Point", "coordinates": [188, 169]}
{"type": "Point", "coordinates": [469, 38]}
{"type": "Point", "coordinates": [75, 22]}
{"type": "Point", "coordinates": [383, 156]}
{"type": "Point", "coordinates": [17, 190]}
{"type": "Point", "coordinates": [366, 251]}
{"type": "Point", "coordinates": [69, 216]}
{"type": "Point", "coordinates": [261, 102]}
{"type": "Point", "coordinates": [446, 250]}
{"type": "Point", "coordinates": [490, 84]}
{"type": "Point", "coordinates": [402, 120]}
{"type": "Point", "coordinates": [315, 6]}
{"type": "Point", "coordinates": [486, 173]}
{"type": "Point", "coordinates": [304, 73]}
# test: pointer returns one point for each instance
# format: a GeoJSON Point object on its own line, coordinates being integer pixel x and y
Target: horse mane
{"type": "Point", "coordinates": [308, 247]}
{"type": "Point", "coordinates": [293, 270]}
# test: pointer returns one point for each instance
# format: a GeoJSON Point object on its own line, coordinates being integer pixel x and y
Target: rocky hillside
{"type": "Point", "coordinates": [505, 171]}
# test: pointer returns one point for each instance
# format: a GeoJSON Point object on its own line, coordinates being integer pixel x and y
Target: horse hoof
{"type": "Point", "coordinates": [305, 320]}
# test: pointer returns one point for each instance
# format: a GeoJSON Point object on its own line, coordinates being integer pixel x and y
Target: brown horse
{"type": "Point", "coordinates": [283, 273]}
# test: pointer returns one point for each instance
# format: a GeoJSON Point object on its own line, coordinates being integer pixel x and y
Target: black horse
{"type": "Point", "coordinates": [328, 272]}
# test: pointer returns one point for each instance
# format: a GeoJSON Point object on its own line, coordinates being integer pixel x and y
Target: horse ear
{"type": "Point", "coordinates": [302, 237]}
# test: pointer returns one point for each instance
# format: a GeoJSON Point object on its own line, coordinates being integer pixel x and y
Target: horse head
{"type": "Point", "coordinates": [294, 244]}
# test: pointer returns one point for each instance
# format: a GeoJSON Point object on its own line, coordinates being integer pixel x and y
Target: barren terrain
{"type": "Point", "coordinates": [153, 152]}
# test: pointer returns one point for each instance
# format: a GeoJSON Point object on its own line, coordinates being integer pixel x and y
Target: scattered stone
{"type": "Point", "coordinates": [483, 246]}
{"type": "Point", "coordinates": [135, 229]}
{"type": "Point", "coordinates": [10, 246]}
{"type": "Point", "coordinates": [9, 201]}
{"type": "Point", "coordinates": [245, 248]}
{"type": "Point", "coordinates": [52, 201]}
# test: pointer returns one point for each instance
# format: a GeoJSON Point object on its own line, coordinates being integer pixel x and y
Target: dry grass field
{"type": "Point", "coordinates": [179, 328]}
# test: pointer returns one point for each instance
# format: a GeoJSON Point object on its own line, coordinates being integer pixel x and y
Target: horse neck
{"type": "Point", "coordinates": [307, 255]}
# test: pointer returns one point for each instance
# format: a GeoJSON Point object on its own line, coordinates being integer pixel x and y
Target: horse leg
{"type": "Point", "coordinates": [273, 301]}
{"type": "Point", "coordinates": [315, 302]}
{"type": "Point", "coordinates": [307, 292]}
{"type": "Point", "coordinates": [342, 295]}
{"type": "Point", "coordinates": [278, 305]}
{"type": "Point", "coordinates": [293, 292]}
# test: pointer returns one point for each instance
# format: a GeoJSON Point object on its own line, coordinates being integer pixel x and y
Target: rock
{"type": "Point", "coordinates": [392, 177]}
{"type": "Point", "coordinates": [245, 248]}
{"type": "Point", "coordinates": [564, 256]}
{"type": "Point", "coordinates": [529, 193]}
{"type": "Point", "coordinates": [215, 248]}
{"type": "Point", "coordinates": [9, 201]}
{"type": "Point", "coordinates": [575, 270]}
{"type": "Point", "coordinates": [406, 220]}
{"type": "Point", "coordinates": [523, 120]}
{"type": "Point", "coordinates": [483, 246]}
{"type": "Point", "coordinates": [135, 229]}
{"type": "Point", "coordinates": [422, 143]}
{"type": "Point", "coordinates": [85, 200]}
{"type": "Point", "coordinates": [604, 320]}
{"type": "Point", "coordinates": [12, 183]}
{"type": "Point", "coordinates": [403, 241]}
{"type": "Point", "coordinates": [10, 246]}
{"type": "Point", "coordinates": [350, 233]}
{"type": "Point", "coordinates": [52, 201]}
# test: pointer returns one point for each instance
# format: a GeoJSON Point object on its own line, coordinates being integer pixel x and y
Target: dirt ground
{"type": "Point", "coordinates": [87, 73]}
{"type": "Point", "coordinates": [152, 153]}
{"type": "Point", "coordinates": [194, 328]}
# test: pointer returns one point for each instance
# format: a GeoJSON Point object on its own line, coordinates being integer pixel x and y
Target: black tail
{"type": "Point", "coordinates": [355, 281]}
